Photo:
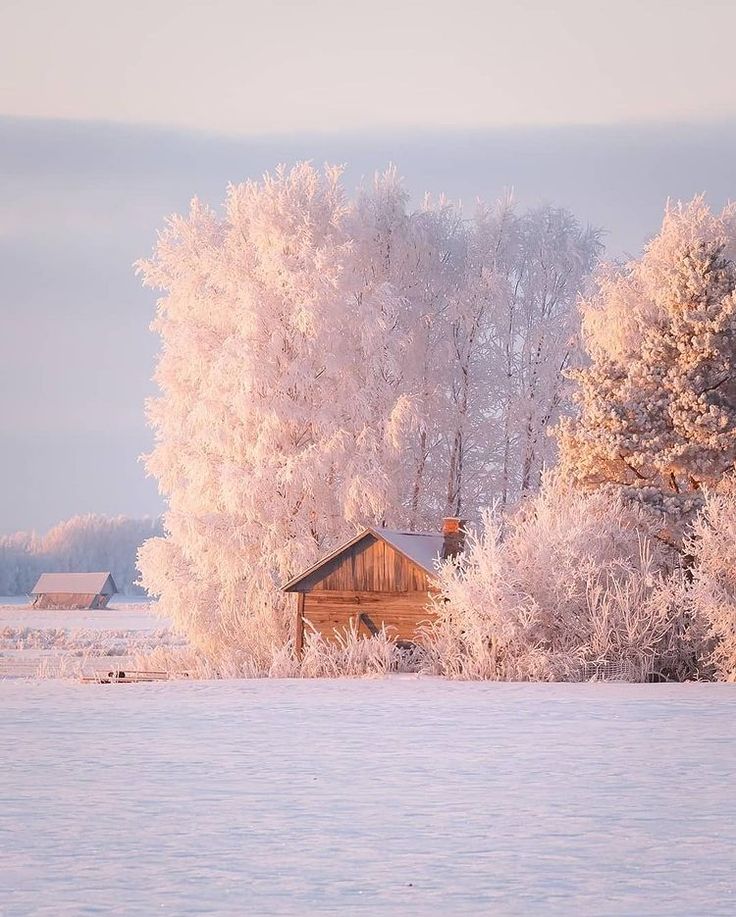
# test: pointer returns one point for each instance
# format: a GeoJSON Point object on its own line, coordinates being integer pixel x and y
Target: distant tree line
{"type": "Point", "coordinates": [83, 543]}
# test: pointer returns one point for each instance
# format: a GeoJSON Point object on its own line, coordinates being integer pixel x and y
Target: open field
{"type": "Point", "coordinates": [64, 642]}
{"type": "Point", "coordinates": [401, 795]}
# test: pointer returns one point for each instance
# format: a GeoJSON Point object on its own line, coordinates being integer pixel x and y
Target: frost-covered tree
{"type": "Point", "coordinates": [420, 256]}
{"type": "Point", "coordinates": [19, 567]}
{"type": "Point", "coordinates": [280, 378]}
{"type": "Point", "coordinates": [657, 402]}
{"type": "Point", "coordinates": [490, 306]}
{"type": "Point", "coordinates": [330, 362]}
{"type": "Point", "coordinates": [542, 260]}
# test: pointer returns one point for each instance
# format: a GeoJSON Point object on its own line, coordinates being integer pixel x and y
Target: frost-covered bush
{"type": "Point", "coordinates": [570, 578]}
{"type": "Point", "coordinates": [712, 547]}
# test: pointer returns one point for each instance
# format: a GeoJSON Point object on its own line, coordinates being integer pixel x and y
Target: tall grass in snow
{"type": "Point", "coordinates": [348, 655]}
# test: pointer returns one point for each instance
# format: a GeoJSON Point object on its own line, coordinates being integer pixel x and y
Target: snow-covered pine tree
{"type": "Point", "coordinates": [657, 402]}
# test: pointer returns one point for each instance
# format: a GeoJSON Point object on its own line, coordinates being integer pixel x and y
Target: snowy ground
{"type": "Point", "coordinates": [47, 642]}
{"type": "Point", "coordinates": [403, 795]}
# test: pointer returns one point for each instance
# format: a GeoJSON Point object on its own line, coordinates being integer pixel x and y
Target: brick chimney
{"type": "Point", "coordinates": [453, 536]}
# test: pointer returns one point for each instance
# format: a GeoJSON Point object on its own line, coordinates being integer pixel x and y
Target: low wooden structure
{"type": "Point", "coordinates": [123, 678]}
{"type": "Point", "coordinates": [380, 578]}
{"type": "Point", "coordinates": [73, 590]}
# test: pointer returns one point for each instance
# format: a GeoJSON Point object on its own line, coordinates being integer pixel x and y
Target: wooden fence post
{"type": "Point", "coordinates": [299, 640]}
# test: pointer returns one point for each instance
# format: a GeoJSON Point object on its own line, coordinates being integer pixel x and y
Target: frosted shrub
{"type": "Point", "coordinates": [571, 578]}
{"type": "Point", "coordinates": [713, 590]}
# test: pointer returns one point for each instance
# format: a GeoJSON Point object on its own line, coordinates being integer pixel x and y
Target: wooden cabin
{"type": "Point", "coordinates": [380, 578]}
{"type": "Point", "coordinates": [73, 590]}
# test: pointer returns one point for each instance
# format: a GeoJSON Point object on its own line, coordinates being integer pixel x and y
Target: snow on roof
{"type": "Point", "coordinates": [422, 548]}
{"type": "Point", "coordinates": [78, 583]}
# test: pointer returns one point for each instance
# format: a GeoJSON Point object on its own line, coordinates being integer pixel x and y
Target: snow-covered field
{"type": "Point", "coordinates": [50, 642]}
{"type": "Point", "coordinates": [403, 795]}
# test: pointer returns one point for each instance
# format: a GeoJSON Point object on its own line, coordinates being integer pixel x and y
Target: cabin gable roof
{"type": "Point", "coordinates": [76, 584]}
{"type": "Point", "coordinates": [420, 549]}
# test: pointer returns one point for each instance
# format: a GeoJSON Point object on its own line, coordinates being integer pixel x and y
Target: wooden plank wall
{"type": "Point", "coordinates": [401, 612]}
{"type": "Point", "coordinates": [369, 578]}
{"type": "Point", "coordinates": [69, 601]}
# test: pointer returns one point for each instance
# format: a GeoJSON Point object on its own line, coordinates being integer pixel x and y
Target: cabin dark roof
{"type": "Point", "coordinates": [76, 583]}
{"type": "Point", "coordinates": [422, 548]}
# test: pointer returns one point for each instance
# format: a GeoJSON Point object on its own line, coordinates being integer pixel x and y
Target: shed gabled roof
{"type": "Point", "coordinates": [422, 548]}
{"type": "Point", "coordinates": [76, 583]}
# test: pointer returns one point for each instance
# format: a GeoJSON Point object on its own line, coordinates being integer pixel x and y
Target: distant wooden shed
{"type": "Point", "coordinates": [73, 590]}
{"type": "Point", "coordinates": [380, 578]}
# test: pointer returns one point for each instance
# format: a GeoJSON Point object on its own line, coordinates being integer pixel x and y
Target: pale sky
{"type": "Point", "coordinates": [239, 66]}
{"type": "Point", "coordinates": [114, 114]}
